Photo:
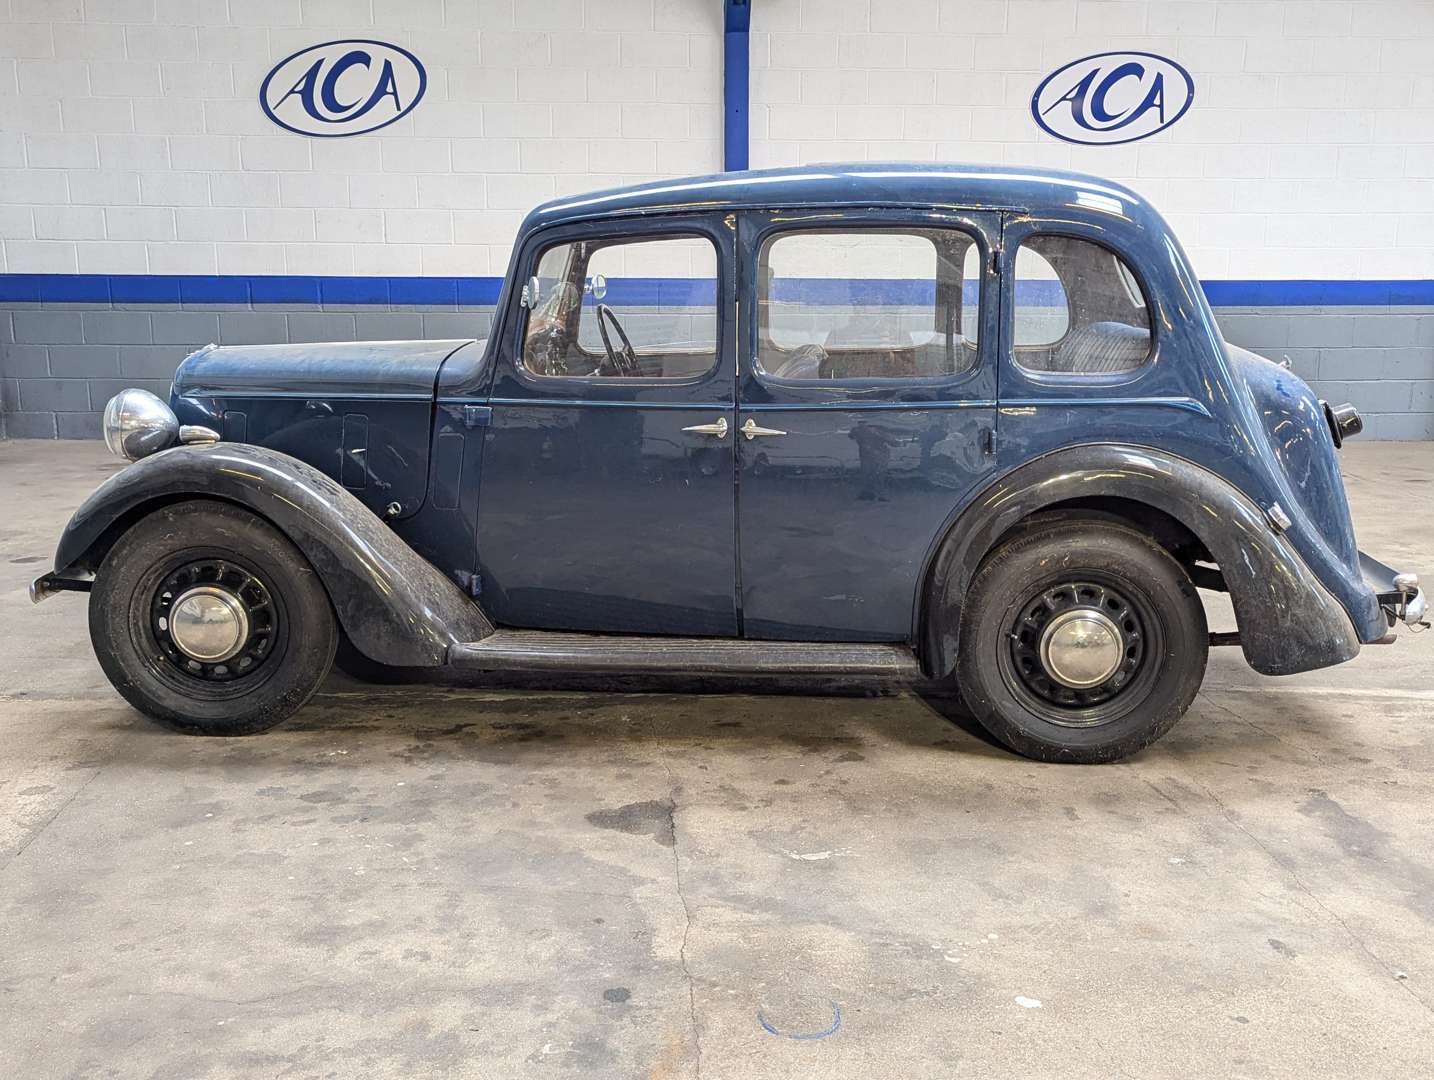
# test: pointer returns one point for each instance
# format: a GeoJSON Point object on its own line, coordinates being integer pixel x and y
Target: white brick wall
{"type": "Point", "coordinates": [131, 139]}
{"type": "Point", "coordinates": [1309, 152]}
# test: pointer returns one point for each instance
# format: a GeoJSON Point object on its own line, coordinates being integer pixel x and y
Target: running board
{"type": "Point", "coordinates": [540, 650]}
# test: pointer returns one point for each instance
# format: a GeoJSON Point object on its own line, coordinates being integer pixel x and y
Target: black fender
{"type": "Point", "coordinates": [395, 606]}
{"type": "Point", "coordinates": [1289, 622]}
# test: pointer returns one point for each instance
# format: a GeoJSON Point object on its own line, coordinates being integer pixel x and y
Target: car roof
{"type": "Point", "coordinates": [971, 187]}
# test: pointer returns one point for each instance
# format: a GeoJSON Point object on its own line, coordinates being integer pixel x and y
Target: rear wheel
{"type": "Point", "coordinates": [210, 622]}
{"type": "Point", "coordinates": [1083, 643]}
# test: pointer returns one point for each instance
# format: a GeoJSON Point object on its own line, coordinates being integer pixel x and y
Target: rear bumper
{"type": "Point", "coordinates": [1398, 593]}
{"type": "Point", "coordinates": [47, 585]}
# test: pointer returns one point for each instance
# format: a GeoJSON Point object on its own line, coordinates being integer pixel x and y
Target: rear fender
{"type": "Point", "coordinates": [1289, 622]}
{"type": "Point", "coordinates": [396, 607]}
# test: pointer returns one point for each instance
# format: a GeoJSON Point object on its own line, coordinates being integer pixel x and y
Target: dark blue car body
{"type": "Point", "coordinates": [580, 504]}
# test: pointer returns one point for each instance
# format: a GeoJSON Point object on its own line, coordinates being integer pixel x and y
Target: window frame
{"type": "Point", "coordinates": [656, 231]}
{"type": "Point", "coordinates": [770, 224]}
{"type": "Point", "coordinates": [1008, 289]}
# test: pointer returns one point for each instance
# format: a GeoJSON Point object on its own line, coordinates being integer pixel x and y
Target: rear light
{"type": "Point", "coordinates": [1344, 421]}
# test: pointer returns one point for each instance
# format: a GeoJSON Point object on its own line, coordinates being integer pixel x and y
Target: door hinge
{"type": "Point", "coordinates": [475, 584]}
{"type": "Point", "coordinates": [988, 442]}
{"type": "Point", "coordinates": [476, 415]}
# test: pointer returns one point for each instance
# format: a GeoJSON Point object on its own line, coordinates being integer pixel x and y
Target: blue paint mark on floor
{"type": "Point", "coordinates": [835, 1026]}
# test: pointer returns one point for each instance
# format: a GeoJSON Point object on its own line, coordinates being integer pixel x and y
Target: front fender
{"type": "Point", "coordinates": [1289, 622]}
{"type": "Point", "coordinates": [395, 607]}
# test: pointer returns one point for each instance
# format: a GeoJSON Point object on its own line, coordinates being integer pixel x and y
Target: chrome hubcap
{"type": "Point", "coordinates": [208, 624]}
{"type": "Point", "coordinates": [1081, 648]}
{"type": "Point", "coordinates": [1077, 647]}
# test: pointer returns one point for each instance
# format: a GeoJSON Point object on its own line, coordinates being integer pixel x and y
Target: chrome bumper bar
{"type": "Point", "coordinates": [1398, 593]}
{"type": "Point", "coordinates": [47, 585]}
{"type": "Point", "coordinates": [1415, 610]}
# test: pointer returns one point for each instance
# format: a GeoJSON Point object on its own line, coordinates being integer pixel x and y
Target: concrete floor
{"type": "Point", "coordinates": [537, 882]}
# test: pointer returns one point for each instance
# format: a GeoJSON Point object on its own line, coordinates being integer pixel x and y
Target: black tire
{"type": "Point", "coordinates": [1114, 569]}
{"type": "Point", "coordinates": [286, 655]}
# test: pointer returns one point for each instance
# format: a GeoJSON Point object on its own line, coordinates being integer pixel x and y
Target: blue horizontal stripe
{"type": "Point", "coordinates": [879, 292]}
{"type": "Point", "coordinates": [244, 289]}
{"type": "Point", "coordinates": [664, 292]}
{"type": "Point", "coordinates": [209, 290]}
{"type": "Point", "coordinates": [289, 289]}
{"type": "Point", "coordinates": [1313, 293]}
{"type": "Point", "coordinates": [658, 292]}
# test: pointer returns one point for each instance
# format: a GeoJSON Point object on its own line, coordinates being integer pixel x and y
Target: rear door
{"type": "Point", "coordinates": [866, 411]}
{"type": "Point", "coordinates": [607, 501]}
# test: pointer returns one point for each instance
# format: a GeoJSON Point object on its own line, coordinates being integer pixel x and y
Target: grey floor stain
{"type": "Point", "coordinates": [652, 818]}
{"type": "Point", "coordinates": [1352, 833]}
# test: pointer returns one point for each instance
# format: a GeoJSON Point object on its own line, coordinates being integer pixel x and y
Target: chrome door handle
{"type": "Point", "coordinates": [751, 430]}
{"type": "Point", "coordinates": [719, 429]}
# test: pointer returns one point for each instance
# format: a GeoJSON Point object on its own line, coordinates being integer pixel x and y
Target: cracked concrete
{"type": "Point", "coordinates": [648, 879]}
{"type": "Point", "coordinates": [686, 908]}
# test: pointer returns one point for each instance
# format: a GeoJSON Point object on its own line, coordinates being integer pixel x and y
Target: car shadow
{"type": "Point", "coordinates": [939, 695]}
{"type": "Point", "coordinates": [941, 710]}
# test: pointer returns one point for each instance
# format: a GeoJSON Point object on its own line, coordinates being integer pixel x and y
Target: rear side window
{"type": "Point", "coordinates": [1079, 310]}
{"type": "Point", "coordinates": [868, 303]}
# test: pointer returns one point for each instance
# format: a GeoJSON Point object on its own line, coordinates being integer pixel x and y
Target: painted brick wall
{"type": "Point", "coordinates": [1309, 152]}
{"type": "Point", "coordinates": [132, 142]}
{"type": "Point", "coordinates": [68, 360]}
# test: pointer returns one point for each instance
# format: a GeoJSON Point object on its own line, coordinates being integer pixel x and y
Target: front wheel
{"type": "Point", "coordinates": [1083, 643]}
{"type": "Point", "coordinates": [210, 622]}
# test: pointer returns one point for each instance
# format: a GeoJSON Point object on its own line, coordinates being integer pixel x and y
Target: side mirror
{"type": "Point", "coordinates": [532, 293]}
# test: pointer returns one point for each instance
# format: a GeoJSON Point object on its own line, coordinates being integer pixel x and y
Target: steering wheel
{"type": "Point", "coordinates": [623, 362]}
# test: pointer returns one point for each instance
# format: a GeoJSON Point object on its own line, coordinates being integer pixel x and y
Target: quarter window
{"type": "Point", "coordinates": [868, 303]}
{"type": "Point", "coordinates": [1079, 310]}
{"type": "Point", "coordinates": [624, 309]}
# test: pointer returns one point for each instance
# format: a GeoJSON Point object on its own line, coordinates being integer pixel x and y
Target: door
{"type": "Point", "coordinates": [607, 501]}
{"type": "Point", "coordinates": [866, 412]}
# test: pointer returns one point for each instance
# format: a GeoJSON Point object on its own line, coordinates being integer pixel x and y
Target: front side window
{"type": "Point", "coordinates": [868, 304]}
{"type": "Point", "coordinates": [1079, 309]}
{"type": "Point", "coordinates": [636, 309]}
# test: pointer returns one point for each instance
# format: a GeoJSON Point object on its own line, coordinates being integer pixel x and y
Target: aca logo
{"type": "Point", "coordinates": [1112, 98]}
{"type": "Point", "coordinates": [343, 88]}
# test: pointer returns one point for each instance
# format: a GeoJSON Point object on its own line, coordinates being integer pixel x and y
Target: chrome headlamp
{"type": "Point", "coordinates": [138, 424]}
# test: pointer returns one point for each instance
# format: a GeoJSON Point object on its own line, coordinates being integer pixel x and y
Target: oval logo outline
{"type": "Point", "coordinates": [312, 82]}
{"type": "Point", "coordinates": [1082, 86]}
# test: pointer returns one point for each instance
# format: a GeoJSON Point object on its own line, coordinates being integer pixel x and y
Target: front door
{"type": "Point", "coordinates": [607, 498]}
{"type": "Point", "coordinates": [866, 411]}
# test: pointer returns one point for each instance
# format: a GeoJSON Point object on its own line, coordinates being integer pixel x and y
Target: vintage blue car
{"type": "Point", "coordinates": [912, 421]}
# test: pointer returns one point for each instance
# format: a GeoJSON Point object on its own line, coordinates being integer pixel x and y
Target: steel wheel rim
{"type": "Point", "coordinates": [1040, 690]}
{"type": "Point", "coordinates": [234, 584]}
